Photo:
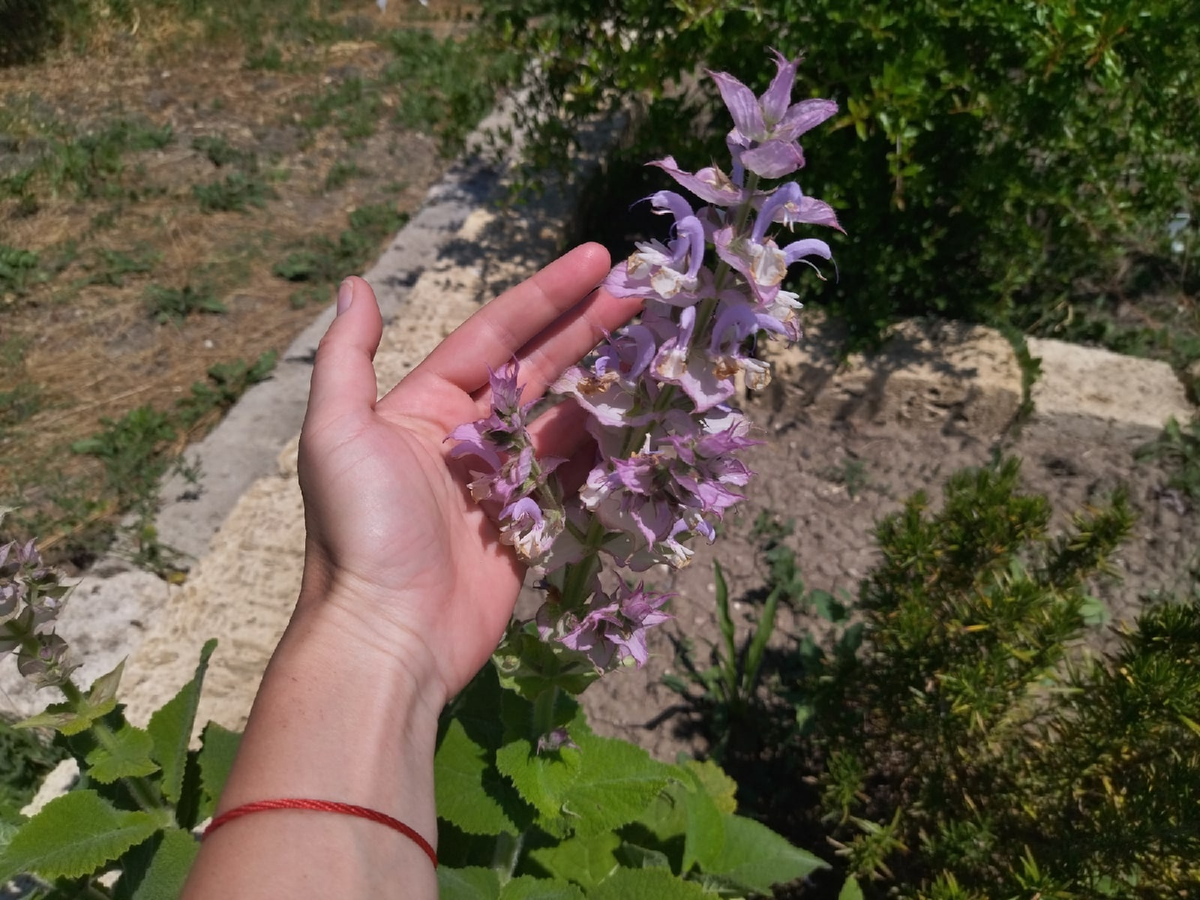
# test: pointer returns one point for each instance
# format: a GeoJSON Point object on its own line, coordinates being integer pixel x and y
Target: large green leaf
{"type": "Point", "coordinates": [128, 756]}
{"type": "Point", "coordinates": [74, 835]}
{"type": "Point", "coordinates": [218, 746]}
{"type": "Point", "coordinates": [171, 729]}
{"type": "Point", "coordinates": [157, 869]}
{"type": "Point", "coordinates": [472, 883]}
{"type": "Point", "coordinates": [466, 784]}
{"type": "Point", "coordinates": [647, 884]}
{"type": "Point", "coordinates": [755, 857]}
{"type": "Point", "coordinates": [617, 781]}
{"type": "Point", "coordinates": [541, 779]}
{"type": "Point", "coordinates": [529, 888]}
{"type": "Point", "coordinates": [585, 860]}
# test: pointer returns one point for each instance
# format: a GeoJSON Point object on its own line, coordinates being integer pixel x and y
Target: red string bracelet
{"type": "Point", "coordinates": [346, 809]}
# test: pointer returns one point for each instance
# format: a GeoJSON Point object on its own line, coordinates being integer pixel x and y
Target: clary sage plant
{"type": "Point", "coordinates": [530, 801]}
{"type": "Point", "coordinates": [658, 395]}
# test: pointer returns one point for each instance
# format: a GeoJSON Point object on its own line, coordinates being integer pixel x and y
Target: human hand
{"type": "Point", "coordinates": [398, 554]}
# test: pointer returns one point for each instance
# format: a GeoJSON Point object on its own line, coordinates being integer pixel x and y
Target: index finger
{"type": "Point", "coordinates": [503, 328]}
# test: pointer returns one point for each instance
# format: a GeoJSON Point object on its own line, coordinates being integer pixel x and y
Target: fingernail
{"type": "Point", "coordinates": [345, 296]}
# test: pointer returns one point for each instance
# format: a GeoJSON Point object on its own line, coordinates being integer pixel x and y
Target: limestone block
{"type": "Point", "coordinates": [1085, 390]}
{"type": "Point", "coordinates": [947, 375]}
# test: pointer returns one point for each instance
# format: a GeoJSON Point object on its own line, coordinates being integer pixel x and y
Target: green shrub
{"type": "Point", "coordinates": [993, 160]}
{"type": "Point", "coordinates": [955, 742]}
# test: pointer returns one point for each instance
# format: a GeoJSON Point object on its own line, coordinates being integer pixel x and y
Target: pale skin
{"type": "Point", "coordinates": [406, 591]}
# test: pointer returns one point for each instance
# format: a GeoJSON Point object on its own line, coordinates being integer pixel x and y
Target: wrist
{"type": "Point", "coordinates": [341, 718]}
{"type": "Point", "coordinates": [348, 618]}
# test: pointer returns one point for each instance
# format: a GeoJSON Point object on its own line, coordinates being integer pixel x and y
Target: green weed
{"type": "Point", "coordinates": [1179, 447]}
{"type": "Point", "coordinates": [21, 403]}
{"type": "Point", "coordinates": [111, 266]}
{"type": "Point", "coordinates": [448, 83]}
{"type": "Point", "coordinates": [218, 151]}
{"type": "Point", "coordinates": [226, 383]}
{"type": "Point", "coordinates": [341, 172]}
{"type": "Point", "coordinates": [175, 304]}
{"type": "Point", "coordinates": [323, 261]}
{"type": "Point", "coordinates": [89, 163]}
{"type": "Point", "coordinates": [17, 269]}
{"type": "Point", "coordinates": [353, 107]}
{"type": "Point", "coordinates": [138, 450]}
{"type": "Point", "coordinates": [852, 474]}
{"type": "Point", "coordinates": [233, 193]}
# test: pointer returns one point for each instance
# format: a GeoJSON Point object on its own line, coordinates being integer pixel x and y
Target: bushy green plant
{"type": "Point", "coordinates": [995, 160]}
{"type": "Point", "coordinates": [955, 742]}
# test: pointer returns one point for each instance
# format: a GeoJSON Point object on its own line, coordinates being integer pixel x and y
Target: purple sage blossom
{"type": "Point", "coordinates": [657, 392]}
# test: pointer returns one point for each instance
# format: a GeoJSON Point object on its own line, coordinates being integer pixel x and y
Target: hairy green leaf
{"type": "Point", "coordinates": [463, 788]}
{"type": "Point", "coordinates": [616, 782]}
{"type": "Point", "coordinates": [74, 835]}
{"type": "Point", "coordinates": [755, 857]}
{"type": "Point", "coordinates": [218, 746]}
{"type": "Point", "coordinates": [171, 728]}
{"type": "Point", "coordinates": [157, 869]}
{"type": "Point", "coordinates": [587, 861]}
{"type": "Point", "coordinates": [128, 757]}
{"type": "Point", "coordinates": [471, 883]}
{"type": "Point", "coordinates": [541, 779]}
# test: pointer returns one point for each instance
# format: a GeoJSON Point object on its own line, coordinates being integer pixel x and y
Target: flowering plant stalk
{"type": "Point", "coordinates": [658, 393]}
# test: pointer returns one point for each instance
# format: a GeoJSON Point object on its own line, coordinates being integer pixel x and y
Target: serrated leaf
{"type": "Point", "coordinates": [127, 757]}
{"type": "Point", "coordinates": [74, 835]}
{"type": "Point", "coordinates": [647, 884]}
{"type": "Point", "coordinates": [218, 746]}
{"type": "Point", "coordinates": [471, 883]}
{"type": "Point", "coordinates": [616, 782]}
{"type": "Point", "coordinates": [541, 780]}
{"type": "Point", "coordinates": [171, 728]}
{"type": "Point", "coordinates": [585, 860]}
{"type": "Point", "coordinates": [755, 857]}
{"type": "Point", "coordinates": [527, 887]}
{"type": "Point", "coordinates": [464, 798]}
{"type": "Point", "coordinates": [850, 890]}
{"type": "Point", "coordinates": [158, 868]}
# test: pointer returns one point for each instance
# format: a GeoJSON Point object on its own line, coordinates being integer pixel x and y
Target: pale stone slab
{"type": "Point", "coordinates": [1085, 390]}
{"type": "Point", "coordinates": [928, 374]}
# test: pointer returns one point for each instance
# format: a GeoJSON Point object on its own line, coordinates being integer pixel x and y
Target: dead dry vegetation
{"type": "Point", "coordinates": [174, 207]}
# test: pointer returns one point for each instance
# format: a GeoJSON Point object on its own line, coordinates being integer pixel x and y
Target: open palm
{"type": "Point", "coordinates": [394, 539]}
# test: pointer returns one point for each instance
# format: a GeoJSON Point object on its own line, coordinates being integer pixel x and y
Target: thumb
{"type": "Point", "coordinates": [343, 378]}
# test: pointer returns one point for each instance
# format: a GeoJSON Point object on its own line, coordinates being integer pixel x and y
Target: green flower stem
{"type": "Point", "coordinates": [579, 575]}
{"type": "Point", "coordinates": [543, 711]}
{"type": "Point", "coordinates": [506, 853]}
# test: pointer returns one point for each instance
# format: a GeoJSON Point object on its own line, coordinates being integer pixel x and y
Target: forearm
{"type": "Point", "coordinates": [335, 719]}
